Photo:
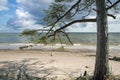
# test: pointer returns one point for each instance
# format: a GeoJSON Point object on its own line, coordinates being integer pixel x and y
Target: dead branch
{"type": "Point", "coordinates": [114, 17]}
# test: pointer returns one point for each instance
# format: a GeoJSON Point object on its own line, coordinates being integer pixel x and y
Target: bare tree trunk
{"type": "Point", "coordinates": [101, 65]}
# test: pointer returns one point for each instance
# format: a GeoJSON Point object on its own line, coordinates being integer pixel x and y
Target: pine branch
{"type": "Point", "coordinates": [67, 11]}
{"type": "Point", "coordinates": [67, 25]}
{"type": "Point", "coordinates": [73, 22]}
{"type": "Point", "coordinates": [52, 26]}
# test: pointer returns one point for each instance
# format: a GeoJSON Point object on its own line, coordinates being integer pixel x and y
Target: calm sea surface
{"type": "Point", "coordinates": [84, 38]}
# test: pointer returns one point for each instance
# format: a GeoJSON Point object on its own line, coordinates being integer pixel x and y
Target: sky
{"type": "Point", "coordinates": [17, 15]}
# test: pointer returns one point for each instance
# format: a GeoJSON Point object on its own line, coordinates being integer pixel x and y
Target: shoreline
{"type": "Point", "coordinates": [32, 46]}
{"type": "Point", "coordinates": [57, 47]}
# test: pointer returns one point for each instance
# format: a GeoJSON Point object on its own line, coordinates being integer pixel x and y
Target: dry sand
{"type": "Point", "coordinates": [47, 63]}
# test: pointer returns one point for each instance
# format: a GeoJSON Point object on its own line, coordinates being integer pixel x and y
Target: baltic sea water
{"type": "Point", "coordinates": [79, 38]}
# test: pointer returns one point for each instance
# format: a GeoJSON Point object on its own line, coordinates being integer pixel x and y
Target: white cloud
{"type": "Point", "coordinates": [21, 14]}
{"type": "Point", "coordinates": [29, 14]}
{"type": "Point", "coordinates": [25, 20]}
{"type": "Point", "coordinates": [3, 5]}
{"type": "Point", "coordinates": [5, 29]}
{"type": "Point", "coordinates": [34, 5]}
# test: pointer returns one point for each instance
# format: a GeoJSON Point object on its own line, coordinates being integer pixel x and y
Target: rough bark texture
{"type": "Point", "coordinates": [101, 66]}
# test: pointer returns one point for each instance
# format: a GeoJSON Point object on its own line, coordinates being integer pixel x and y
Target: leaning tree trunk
{"type": "Point", "coordinates": [101, 65]}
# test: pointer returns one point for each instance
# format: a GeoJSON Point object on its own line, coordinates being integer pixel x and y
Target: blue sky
{"type": "Point", "coordinates": [17, 15]}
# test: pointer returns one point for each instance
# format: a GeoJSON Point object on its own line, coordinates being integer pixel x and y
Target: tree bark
{"type": "Point", "coordinates": [102, 65]}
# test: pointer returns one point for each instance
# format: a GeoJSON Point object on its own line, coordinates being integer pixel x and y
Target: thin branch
{"type": "Point", "coordinates": [94, 10]}
{"type": "Point", "coordinates": [109, 1]}
{"type": "Point", "coordinates": [89, 11]}
{"type": "Point", "coordinates": [73, 22]}
{"type": "Point", "coordinates": [68, 11]}
{"type": "Point", "coordinates": [114, 17]}
{"type": "Point", "coordinates": [77, 9]}
{"type": "Point", "coordinates": [42, 30]}
{"type": "Point", "coordinates": [63, 16]}
{"type": "Point", "coordinates": [113, 5]}
{"type": "Point", "coordinates": [76, 21]}
{"type": "Point", "coordinates": [67, 37]}
{"type": "Point", "coordinates": [86, 6]}
{"type": "Point", "coordinates": [59, 38]}
{"type": "Point", "coordinates": [51, 29]}
{"type": "Point", "coordinates": [50, 35]}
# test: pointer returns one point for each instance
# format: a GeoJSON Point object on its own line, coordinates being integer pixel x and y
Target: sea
{"type": "Point", "coordinates": [78, 38]}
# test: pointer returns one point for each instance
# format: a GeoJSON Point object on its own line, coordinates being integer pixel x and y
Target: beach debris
{"type": "Point", "coordinates": [23, 47]}
{"type": "Point", "coordinates": [86, 66]}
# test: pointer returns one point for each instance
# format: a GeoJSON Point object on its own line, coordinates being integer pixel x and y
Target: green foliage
{"type": "Point", "coordinates": [32, 35]}
{"type": "Point", "coordinates": [54, 12]}
{"type": "Point", "coordinates": [53, 40]}
{"type": "Point", "coordinates": [57, 9]}
{"type": "Point", "coordinates": [28, 32]}
{"type": "Point", "coordinates": [43, 40]}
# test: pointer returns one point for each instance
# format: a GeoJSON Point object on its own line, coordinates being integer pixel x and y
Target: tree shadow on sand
{"type": "Point", "coordinates": [26, 70]}
{"type": "Point", "coordinates": [15, 70]}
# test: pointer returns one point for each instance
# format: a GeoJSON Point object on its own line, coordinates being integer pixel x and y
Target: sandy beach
{"type": "Point", "coordinates": [54, 62]}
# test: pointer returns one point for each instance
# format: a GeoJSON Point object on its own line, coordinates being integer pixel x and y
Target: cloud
{"type": "Point", "coordinates": [29, 14]}
{"type": "Point", "coordinates": [3, 5]}
{"type": "Point", "coordinates": [35, 8]}
{"type": "Point", "coordinates": [4, 28]}
{"type": "Point", "coordinates": [23, 20]}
